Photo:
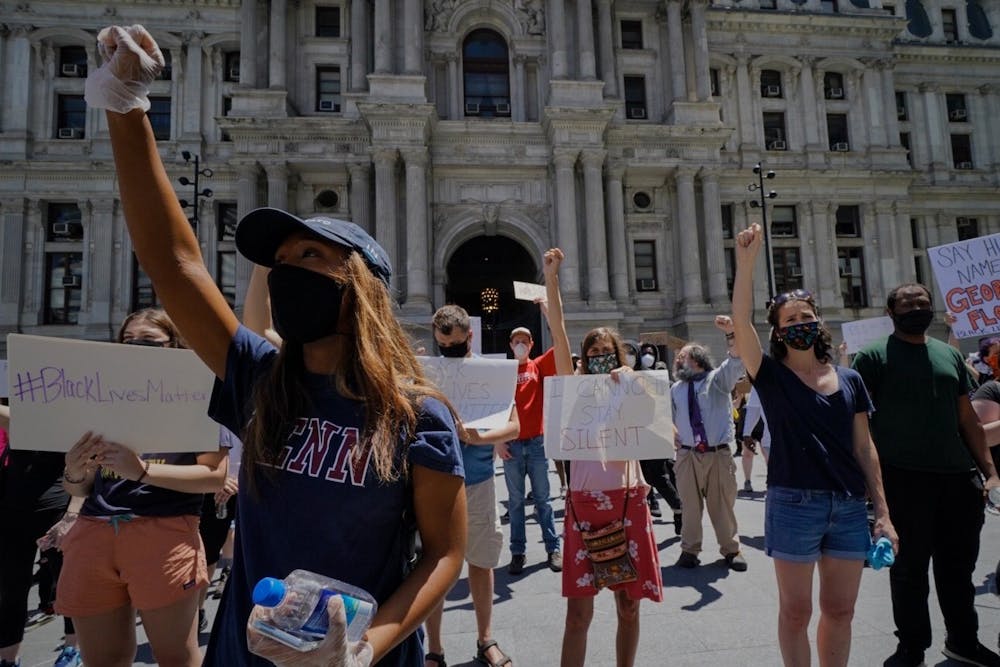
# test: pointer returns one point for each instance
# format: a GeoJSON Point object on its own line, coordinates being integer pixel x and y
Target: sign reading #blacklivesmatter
{"type": "Point", "coordinates": [968, 275]}
{"type": "Point", "coordinates": [481, 390]}
{"type": "Point", "coordinates": [594, 418]}
{"type": "Point", "coordinates": [149, 399]}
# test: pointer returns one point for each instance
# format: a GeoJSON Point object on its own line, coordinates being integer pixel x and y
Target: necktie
{"type": "Point", "coordinates": [694, 416]}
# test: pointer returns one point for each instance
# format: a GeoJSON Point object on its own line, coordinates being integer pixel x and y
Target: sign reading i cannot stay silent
{"type": "Point", "coordinates": [968, 275]}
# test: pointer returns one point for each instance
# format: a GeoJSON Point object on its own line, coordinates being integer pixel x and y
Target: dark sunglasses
{"type": "Point", "coordinates": [148, 343]}
{"type": "Point", "coordinates": [794, 295]}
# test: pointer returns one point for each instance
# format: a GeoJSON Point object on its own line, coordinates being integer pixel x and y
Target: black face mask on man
{"type": "Point", "coordinates": [305, 305]}
{"type": "Point", "coordinates": [455, 350]}
{"type": "Point", "coordinates": [914, 322]}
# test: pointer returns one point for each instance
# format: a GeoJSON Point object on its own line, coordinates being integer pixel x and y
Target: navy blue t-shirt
{"type": "Point", "coordinates": [318, 511]}
{"type": "Point", "coordinates": [812, 435]}
{"type": "Point", "coordinates": [113, 495]}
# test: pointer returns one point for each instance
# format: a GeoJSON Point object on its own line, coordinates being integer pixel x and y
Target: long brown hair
{"type": "Point", "coordinates": [378, 367]}
{"type": "Point", "coordinates": [822, 348]}
{"type": "Point", "coordinates": [158, 318]}
{"type": "Point", "coordinates": [602, 333]}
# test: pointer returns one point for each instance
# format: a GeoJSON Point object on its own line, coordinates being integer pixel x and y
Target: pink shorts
{"type": "Point", "coordinates": [148, 562]}
{"type": "Point", "coordinates": [593, 509]}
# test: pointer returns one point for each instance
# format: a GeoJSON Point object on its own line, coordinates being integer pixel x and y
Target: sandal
{"type": "Point", "coordinates": [481, 657]}
{"type": "Point", "coordinates": [437, 658]}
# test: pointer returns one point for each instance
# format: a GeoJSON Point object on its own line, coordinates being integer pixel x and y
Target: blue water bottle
{"type": "Point", "coordinates": [296, 606]}
{"type": "Point", "coordinates": [880, 554]}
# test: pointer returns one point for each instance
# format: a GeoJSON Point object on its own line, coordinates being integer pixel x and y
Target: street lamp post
{"type": "Point", "coordinates": [198, 193]}
{"type": "Point", "coordinates": [762, 205]}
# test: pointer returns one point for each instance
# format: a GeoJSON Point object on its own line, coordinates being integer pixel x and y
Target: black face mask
{"type": "Point", "coordinates": [914, 322]}
{"type": "Point", "coordinates": [454, 351]}
{"type": "Point", "coordinates": [305, 305]}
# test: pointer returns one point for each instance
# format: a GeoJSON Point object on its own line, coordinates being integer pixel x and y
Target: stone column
{"type": "Point", "coordinates": [385, 204]}
{"type": "Point", "coordinates": [905, 265]}
{"type": "Point", "coordinates": [597, 242]}
{"type": "Point", "coordinates": [889, 102]}
{"type": "Point", "coordinates": [991, 102]}
{"type": "Point", "coordinates": [383, 36]}
{"type": "Point", "coordinates": [979, 116]}
{"type": "Point", "coordinates": [360, 195]}
{"type": "Point", "coordinates": [744, 93]}
{"type": "Point", "coordinates": [276, 45]}
{"type": "Point", "coordinates": [191, 106]}
{"type": "Point", "coordinates": [678, 70]}
{"type": "Point", "coordinates": [828, 277]}
{"type": "Point", "coordinates": [606, 47]}
{"type": "Point", "coordinates": [936, 126]}
{"type": "Point", "coordinates": [413, 36]}
{"type": "Point", "coordinates": [16, 100]}
{"type": "Point", "coordinates": [687, 229]}
{"type": "Point", "coordinates": [587, 67]}
{"type": "Point", "coordinates": [277, 185]}
{"type": "Point", "coordinates": [246, 201]}
{"type": "Point", "coordinates": [715, 257]}
{"type": "Point", "coordinates": [248, 44]}
{"type": "Point", "coordinates": [99, 230]}
{"type": "Point", "coordinates": [454, 87]}
{"type": "Point", "coordinates": [12, 259]}
{"type": "Point", "coordinates": [810, 110]}
{"type": "Point", "coordinates": [520, 92]}
{"type": "Point", "coordinates": [615, 215]}
{"type": "Point", "coordinates": [699, 39]}
{"type": "Point", "coordinates": [874, 114]}
{"type": "Point", "coordinates": [567, 230]}
{"type": "Point", "coordinates": [882, 250]}
{"type": "Point", "coordinates": [418, 294]}
{"type": "Point", "coordinates": [556, 29]}
{"type": "Point", "coordinates": [359, 44]}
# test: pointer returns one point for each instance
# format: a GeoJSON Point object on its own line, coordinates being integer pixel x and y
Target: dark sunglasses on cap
{"type": "Point", "coordinates": [794, 295]}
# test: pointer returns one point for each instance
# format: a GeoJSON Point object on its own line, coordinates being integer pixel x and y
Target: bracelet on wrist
{"type": "Point", "coordinates": [731, 335]}
{"type": "Point", "coordinates": [145, 472]}
{"type": "Point", "coordinates": [70, 480]}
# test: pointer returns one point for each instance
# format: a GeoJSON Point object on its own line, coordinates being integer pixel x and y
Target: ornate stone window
{"type": "Point", "coordinates": [644, 254]}
{"type": "Point", "coordinates": [328, 21]}
{"type": "Point", "coordinates": [968, 228]}
{"type": "Point", "coordinates": [225, 253]}
{"type": "Point", "coordinates": [63, 263]}
{"type": "Point", "coordinates": [486, 73]}
{"type": "Point", "coordinates": [71, 116]}
{"type": "Point", "coordinates": [328, 88]}
{"type": "Point", "coordinates": [159, 117]}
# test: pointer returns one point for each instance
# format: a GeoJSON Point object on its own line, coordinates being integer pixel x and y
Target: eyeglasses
{"type": "Point", "coordinates": [794, 295]}
{"type": "Point", "coordinates": [147, 343]}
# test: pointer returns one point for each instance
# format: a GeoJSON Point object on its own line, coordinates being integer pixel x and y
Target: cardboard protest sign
{"type": "Point", "coordinates": [594, 418]}
{"type": "Point", "coordinates": [859, 333]}
{"type": "Point", "coordinates": [481, 390]}
{"type": "Point", "coordinates": [528, 291]}
{"type": "Point", "coordinates": [476, 327]}
{"type": "Point", "coordinates": [149, 399]}
{"type": "Point", "coordinates": [968, 275]}
{"type": "Point", "coordinates": [662, 338]}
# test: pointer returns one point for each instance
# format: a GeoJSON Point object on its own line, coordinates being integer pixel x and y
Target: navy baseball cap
{"type": "Point", "coordinates": [262, 230]}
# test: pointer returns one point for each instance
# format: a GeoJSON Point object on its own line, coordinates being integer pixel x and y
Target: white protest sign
{"type": "Point", "coordinates": [481, 390]}
{"type": "Point", "coordinates": [476, 327]}
{"type": "Point", "coordinates": [860, 333]}
{"type": "Point", "coordinates": [149, 399]}
{"type": "Point", "coordinates": [594, 418]}
{"type": "Point", "coordinates": [968, 275]}
{"type": "Point", "coordinates": [528, 291]}
{"type": "Point", "coordinates": [3, 378]}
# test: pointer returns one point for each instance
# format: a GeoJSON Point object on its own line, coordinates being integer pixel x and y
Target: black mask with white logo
{"type": "Point", "coordinates": [305, 305]}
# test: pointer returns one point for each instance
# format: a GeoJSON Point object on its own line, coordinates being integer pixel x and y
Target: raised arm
{"type": "Point", "coordinates": [748, 244]}
{"type": "Point", "coordinates": [161, 235]}
{"type": "Point", "coordinates": [557, 326]}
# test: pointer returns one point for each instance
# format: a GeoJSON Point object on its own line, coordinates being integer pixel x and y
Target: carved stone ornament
{"type": "Point", "coordinates": [531, 15]}
{"type": "Point", "coordinates": [437, 13]}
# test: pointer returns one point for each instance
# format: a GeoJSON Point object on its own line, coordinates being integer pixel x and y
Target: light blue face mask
{"type": "Point", "coordinates": [602, 364]}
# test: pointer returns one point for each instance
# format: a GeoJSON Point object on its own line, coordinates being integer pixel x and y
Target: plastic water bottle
{"type": "Point", "coordinates": [880, 554]}
{"type": "Point", "coordinates": [296, 608]}
{"type": "Point", "coordinates": [221, 511]}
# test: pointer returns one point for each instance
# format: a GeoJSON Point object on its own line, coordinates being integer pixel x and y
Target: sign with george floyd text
{"type": "Point", "coordinates": [481, 390]}
{"type": "Point", "coordinates": [859, 333]}
{"type": "Point", "coordinates": [595, 418]}
{"type": "Point", "coordinates": [968, 275]}
{"type": "Point", "coordinates": [149, 399]}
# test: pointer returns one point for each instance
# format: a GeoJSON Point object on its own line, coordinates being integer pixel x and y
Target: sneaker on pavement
{"type": "Point", "coordinates": [555, 561]}
{"type": "Point", "coordinates": [68, 657]}
{"type": "Point", "coordinates": [972, 655]}
{"type": "Point", "coordinates": [654, 510]}
{"type": "Point", "coordinates": [688, 560]}
{"type": "Point", "coordinates": [8, 663]}
{"type": "Point", "coordinates": [516, 564]}
{"type": "Point", "coordinates": [747, 487]}
{"type": "Point", "coordinates": [905, 657]}
{"type": "Point", "coordinates": [202, 621]}
{"type": "Point", "coordinates": [678, 523]}
{"type": "Point", "coordinates": [736, 562]}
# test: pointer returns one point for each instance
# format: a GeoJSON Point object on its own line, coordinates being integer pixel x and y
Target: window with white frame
{"type": "Point", "coordinates": [850, 256]}
{"type": "Point", "coordinates": [63, 263]}
{"type": "Point", "coordinates": [225, 252]}
{"type": "Point", "coordinates": [644, 256]}
{"type": "Point", "coordinates": [328, 97]}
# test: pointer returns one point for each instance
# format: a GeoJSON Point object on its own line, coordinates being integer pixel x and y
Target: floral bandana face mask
{"type": "Point", "coordinates": [602, 364]}
{"type": "Point", "coordinates": [800, 336]}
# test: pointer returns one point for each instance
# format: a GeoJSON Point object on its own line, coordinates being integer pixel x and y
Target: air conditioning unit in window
{"type": "Point", "coordinates": [70, 133]}
{"type": "Point", "coordinates": [71, 281]}
{"type": "Point", "coordinates": [795, 272]}
{"type": "Point", "coordinates": [503, 109]}
{"type": "Point", "coordinates": [328, 105]}
{"type": "Point", "coordinates": [777, 145]}
{"type": "Point", "coordinates": [958, 114]}
{"type": "Point", "coordinates": [841, 146]}
{"type": "Point", "coordinates": [901, 113]}
{"type": "Point", "coordinates": [234, 73]}
{"type": "Point", "coordinates": [963, 165]}
{"type": "Point", "coordinates": [70, 69]}
{"type": "Point", "coordinates": [471, 109]}
{"type": "Point", "coordinates": [835, 93]}
{"type": "Point", "coordinates": [637, 112]}
{"type": "Point", "coordinates": [647, 284]}
{"type": "Point", "coordinates": [63, 228]}
{"type": "Point", "coordinates": [772, 91]}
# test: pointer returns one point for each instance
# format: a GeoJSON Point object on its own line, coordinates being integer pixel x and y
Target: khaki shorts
{"type": "Point", "coordinates": [148, 562]}
{"type": "Point", "coordinates": [485, 540]}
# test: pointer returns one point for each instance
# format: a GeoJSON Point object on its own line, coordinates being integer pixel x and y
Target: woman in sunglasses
{"type": "Point", "coordinates": [822, 464]}
{"type": "Point", "coordinates": [135, 546]}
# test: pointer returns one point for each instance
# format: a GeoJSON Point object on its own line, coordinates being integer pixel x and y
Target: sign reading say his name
{"type": "Point", "coordinates": [968, 275]}
{"type": "Point", "coordinates": [481, 390]}
{"type": "Point", "coordinates": [859, 333]}
{"type": "Point", "coordinates": [594, 418]}
{"type": "Point", "coordinates": [149, 399]}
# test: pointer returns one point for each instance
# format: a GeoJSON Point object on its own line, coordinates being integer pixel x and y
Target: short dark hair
{"type": "Point", "coordinates": [451, 317]}
{"type": "Point", "coordinates": [823, 346]}
{"type": "Point", "coordinates": [890, 301]}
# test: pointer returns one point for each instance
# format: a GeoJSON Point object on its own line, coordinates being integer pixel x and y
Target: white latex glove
{"type": "Point", "coordinates": [333, 651]}
{"type": "Point", "coordinates": [131, 61]}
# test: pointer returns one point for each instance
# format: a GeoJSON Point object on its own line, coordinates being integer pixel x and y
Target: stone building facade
{"type": "Point", "coordinates": [470, 135]}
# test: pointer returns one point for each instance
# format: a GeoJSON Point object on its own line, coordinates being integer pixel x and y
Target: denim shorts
{"type": "Point", "coordinates": [800, 525]}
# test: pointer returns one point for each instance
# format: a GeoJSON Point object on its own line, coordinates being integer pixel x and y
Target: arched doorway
{"type": "Point", "coordinates": [494, 263]}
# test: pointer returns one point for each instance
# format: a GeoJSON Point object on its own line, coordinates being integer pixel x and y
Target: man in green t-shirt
{"type": "Point", "coordinates": [930, 444]}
